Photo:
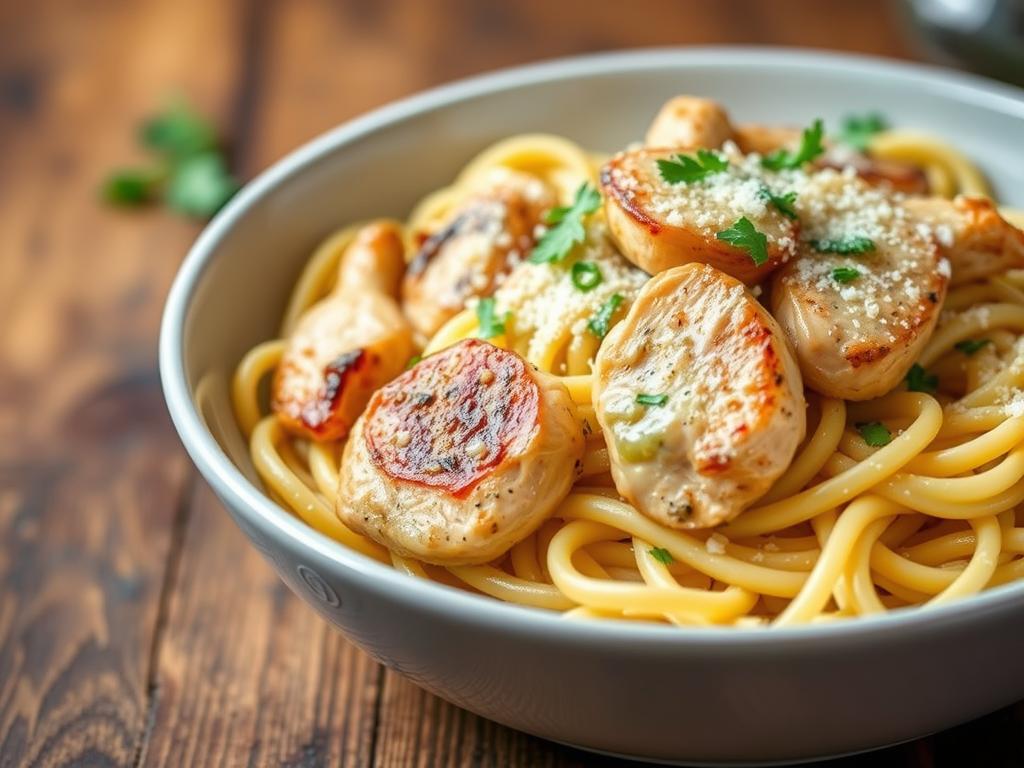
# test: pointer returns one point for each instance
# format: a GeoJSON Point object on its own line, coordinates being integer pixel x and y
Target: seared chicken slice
{"type": "Point", "coordinates": [348, 344]}
{"type": "Point", "coordinates": [658, 224]}
{"type": "Point", "coordinates": [483, 239]}
{"type": "Point", "coordinates": [977, 241]}
{"type": "Point", "coordinates": [699, 398]}
{"type": "Point", "coordinates": [460, 457]}
{"type": "Point", "coordinates": [863, 297]}
{"type": "Point", "coordinates": [690, 122]}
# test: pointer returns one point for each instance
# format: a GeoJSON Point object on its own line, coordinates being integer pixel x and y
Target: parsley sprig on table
{"type": "Point", "coordinates": [566, 224]}
{"type": "Point", "coordinates": [189, 174]}
{"type": "Point", "coordinates": [810, 148]}
{"type": "Point", "coordinates": [857, 130]}
{"type": "Point", "coordinates": [683, 169]}
{"type": "Point", "coordinates": [744, 235]}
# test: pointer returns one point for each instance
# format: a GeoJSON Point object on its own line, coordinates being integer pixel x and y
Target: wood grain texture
{"type": "Point", "coordinates": [137, 627]}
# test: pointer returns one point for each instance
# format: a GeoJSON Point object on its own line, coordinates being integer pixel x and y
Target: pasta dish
{"type": "Point", "coordinates": [734, 374]}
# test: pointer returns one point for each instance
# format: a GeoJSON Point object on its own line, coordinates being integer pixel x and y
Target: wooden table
{"type": "Point", "coordinates": [136, 625]}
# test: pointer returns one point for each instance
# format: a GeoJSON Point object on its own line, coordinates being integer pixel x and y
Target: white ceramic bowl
{"type": "Point", "coordinates": [707, 696]}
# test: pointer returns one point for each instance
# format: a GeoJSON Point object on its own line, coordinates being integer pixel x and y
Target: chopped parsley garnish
{"type": "Point", "coordinates": [845, 274]}
{"type": "Point", "coordinates": [662, 555]}
{"type": "Point", "coordinates": [783, 203]}
{"type": "Point", "coordinates": [845, 245]}
{"type": "Point", "coordinates": [971, 346]}
{"type": "Point", "coordinates": [189, 173]}
{"type": "Point", "coordinates": [919, 380]}
{"type": "Point", "coordinates": [683, 169]}
{"type": "Point", "coordinates": [586, 275]}
{"type": "Point", "coordinates": [566, 224]}
{"type": "Point", "coordinates": [413, 361]}
{"type": "Point", "coordinates": [600, 323]}
{"type": "Point", "coordinates": [744, 236]}
{"type": "Point", "coordinates": [490, 324]}
{"type": "Point", "coordinates": [857, 130]}
{"type": "Point", "coordinates": [810, 148]}
{"type": "Point", "coordinates": [875, 433]}
{"type": "Point", "coordinates": [651, 399]}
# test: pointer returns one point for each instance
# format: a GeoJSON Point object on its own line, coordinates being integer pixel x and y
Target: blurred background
{"type": "Point", "coordinates": [136, 627]}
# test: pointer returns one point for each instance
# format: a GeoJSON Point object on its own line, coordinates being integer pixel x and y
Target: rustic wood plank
{"type": "Point", "coordinates": [247, 673]}
{"type": "Point", "coordinates": [90, 471]}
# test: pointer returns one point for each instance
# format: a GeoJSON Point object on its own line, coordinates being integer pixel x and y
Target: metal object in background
{"type": "Point", "coordinates": [985, 36]}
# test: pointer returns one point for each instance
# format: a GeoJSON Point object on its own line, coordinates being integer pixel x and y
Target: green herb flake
{"type": "Point", "coordinates": [783, 203]}
{"type": "Point", "coordinates": [857, 130]}
{"type": "Point", "coordinates": [413, 362]}
{"type": "Point", "coordinates": [683, 169]}
{"type": "Point", "coordinates": [972, 346]}
{"type": "Point", "coordinates": [132, 186]}
{"type": "Point", "coordinates": [744, 235]}
{"type": "Point", "coordinates": [490, 324]}
{"type": "Point", "coordinates": [566, 224]}
{"type": "Point", "coordinates": [845, 275]}
{"type": "Point", "coordinates": [810, 148]}
{"type": "Point", "coordinates": [651, 399]}
{"type": "Point", "coordinates": [846, 245]}
{"type": "Point", "coordinates": [586, 276]}
{"type": "Point", "coordinates": [178, 132]}
{"type": "Point", "coordinates": [919, 380]}
{"type": "Point", "coordinates": [601, 322]}
{"type": "Point", "coordinates": [875, 433]}
{"type": "Point", "coordinates": [200, 185]}
{"type": "Point", "coordinates": [662, 555]}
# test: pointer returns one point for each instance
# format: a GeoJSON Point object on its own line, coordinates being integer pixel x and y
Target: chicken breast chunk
{"type": "Point", "coordinates": [460, 457]}
{"type": "Point", "coordinates": [977, 241]}
{"type": "Point", "coordinates": [481, 242]}
{"type": "Point", "coordinates": [348, 344]}
{"type": "Point", "coordinates": [659, 223]}
{"type": "Point", "coordinates": [689, 122]}
{"type": "Point", "coordinates": [863, 297]}
{"type": "Point", "coordinates": [699, 398]}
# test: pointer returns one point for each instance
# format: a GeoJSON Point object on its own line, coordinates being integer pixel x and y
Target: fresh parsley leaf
{"type": "Point", "coordinates": [413, 361]}
{"type": "Point", "coordinates": [586, 275]}
{"type": "Point", "coordinates": [971, 346]}
{"type": "Point", "coordinates": [201, 185]}
{"type": "Point", "coordinates": [684, 169]}
{"type": "Point", "coordinates": [179, 132]}
{"type": "Point", "coordinates": [845, 245]}
{"type": "Point", "coordinates": [875, 433]}
{"type": "Point", "coordinates": [744, 236]}
{"type": "Point", "coordinates": [490, 324]}
{"type": "Point", "coordinates": [857, 130]}
{"type": "Point", "coordinates": [651, 399]}
{"type": "Point", "coordinates": [783, 203]}
{"type": "Point", "coordinates": [601, 322]}
{"type": "Point", "coordinates": [810, 148]}
{"type": "Point", "coordinates": [919, 380]}
{"type": "Point", "coordinates": [132, 186]}
{"type": "Point", "coordinates": [845, 274]}
{"type": "Point", "coordinates": [662, 555]}
{"type": "Point", "coordinates": [566, 230]}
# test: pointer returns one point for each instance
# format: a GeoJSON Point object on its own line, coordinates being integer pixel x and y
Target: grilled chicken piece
{"type": "Point", "coordinates": [460, 457]}
{"type": "Point", "coordinates": [659, 225]}
{"type": "Point", "coordinates": [484, 238]}
{"type": "Point", "coordinates": [699, 398]}
{"type": "Point", "coordinates": [348, 344]}
{"type": "Point", "coordinates": [859, 319]}
{"type": "Point", "coordinates": [977, 241]}
{"type": "Point", "coordinates": [690, 122]}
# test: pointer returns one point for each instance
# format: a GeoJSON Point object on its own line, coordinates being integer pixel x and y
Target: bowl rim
{"type": "Point", "coordinates": [253, 504]}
